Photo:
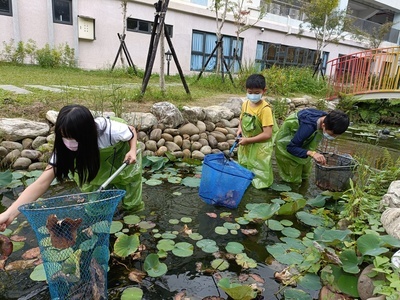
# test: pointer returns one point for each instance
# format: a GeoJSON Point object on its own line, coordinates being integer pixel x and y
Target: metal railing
{"type": "Point", "coordinates": [370, 71]}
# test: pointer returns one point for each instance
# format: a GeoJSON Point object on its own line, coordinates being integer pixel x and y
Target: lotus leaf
{"type": "Point", "coordinates": [173, 221]}
{"type": "Point", "coordinates": [280, 187]}
{"type": "Point", "coordinates": [369, 244]}
{"type": "Point", "coordinates": [237, 291]}
{"type": "Point", "coordinates": [195, 236]}
{"type": "Point", "coordinates": [191, 182]}
{"type": "Point", "coordinates": [183, 249]}
{"type": "Point", "coordinates": [274, 225]}
{"type": "Point", "coordinates": [116, 226]}
{"type": "Point", "coordinates": [174, 179]}
{"type": "Point", "coordinates": [350, 261]}
{"type": "Point", "coordinates": [296, 294]}
{"type": "Point", "coordinates": [126, 245]}
{"type": "Point", "coordinates": [132, 293]}
{"type": "Point", "coordinates": [291, 232]}
{"type": "Point", "coordinates": [89, 244]}
{"type": "Point", "coordinates": [220, 264]}
{"type": "Point", "coordinates": [166, 245]}
{"type": "Point", "coordinates": [221, 230]}
{"type": "Point", "coordinates": [234, 247]}
{"type": "Point", "coordinates": [153, 266]}
{"type": "Point", "coordinates": [131, 219]}
{"type": "Point", "coordinates": [246, 262]}
{"type": "Point", "coordinates": [186, 220]}
{"type": "Point", "coordinates": [101, 227]}
{"type": "Point", "coordinates": [153, 182]}
{"type": "Point", "coordinates": [229, 225]}
{"type": "Point", "coordinates": [38, 273]}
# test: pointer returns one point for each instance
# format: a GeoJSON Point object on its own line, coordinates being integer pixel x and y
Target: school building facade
{"type": "Point", "coordinates": [91, 28]}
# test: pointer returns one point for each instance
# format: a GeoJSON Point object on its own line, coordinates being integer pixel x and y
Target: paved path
{"type": "Point", "coordinates": [27, 89]}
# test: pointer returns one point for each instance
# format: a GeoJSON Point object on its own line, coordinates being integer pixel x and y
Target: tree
{"type": "Point", "coordinates": [241, 15]}
{"type": "Point", "coordinates": [327, 22]}
{"type": "Point", "coordinates": [220, 8]}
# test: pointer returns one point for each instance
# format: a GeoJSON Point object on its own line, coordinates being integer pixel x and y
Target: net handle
{"type": "Point", "coordinates": [115, 174]}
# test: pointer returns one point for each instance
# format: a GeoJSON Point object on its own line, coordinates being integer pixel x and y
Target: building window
{"type": "Point", "coordinates": [200, 2]}
{"type": "Point", "coordinates": [269, 54]}
{"type": "Point", "coordinates": [203, 44]}
{"type": "Point", "coordinates": [62, 11]}
{"type": "Point", "coordinates": [142, 26]}
{"type": "Point", "coordinates": [5, 7]}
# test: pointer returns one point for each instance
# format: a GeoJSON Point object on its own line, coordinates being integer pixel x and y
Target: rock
{"type": "Point", "coordinates": [142, 136]}
{"type": "Point", "coordinates": [172, 131]}
{"type": "Point", "coordinates": [197, 155]}
{"type": "Point", "coordinates": [161, 151]}
{"type": "Point", "coordinates": [22, 163]}
{"type": "Point", "coordinates": [222, 130]}
{"type": "Point", "coordinates": [27, 143]}
{"type": "Point", "coordinates": [219, 136]}
{"type": "Point", "coordinates": [194, 137]}
{"type": "Point", "coordinates": [189, 129]}
{"type": "Point", "coordinates": [141, 121]}
{"type": "Point", "coordinates": [212, 141]}
{"type": "Point", "coordinates": [155, 134]}
{"type": "Point", "coordinates": [187, 153]}
{"type": "Point", "coordinates": [392, 197]}
{"type": "Point", "coordinates": [51, 116]}
{"type": "Point", "coordinates": [31, 154]}
{"type": "Point", "coordinates": [196, 146]}
{"type": "Point", "coordinates": [3, 152]}
{"type": "Point", "coordinates": [365, 284]}
{"type": "Point", "coordinates": [210, 126]}
{"type": "Point", "coordinates": [201, 126]}
{"type": "Point", "coordinates": [37, 166]}
{"type": "Point", "coordinates": [160, 143]}
{"type": "Point", "coordinates": [39, 141]}
{"type": "Point", "coordinates": [10, 158]}
{"type": "Point", "coordinates": [193, 114]}
{"type": "Point", "coordinates": [234, 104]}
{"type": "Point", "coordinates": [178, 140]}
{"type": "Point", "coordinates": [217, 113]}
{"type": "Point", "coordinates": [16, 129]}
{"type": "Point", "coordinates": [151, 145]}
{"type": "Point", "coordinates": [168, 114]}
{"type": "Point", "coordinates": [390, 220]}
{"type": "Point", "coordinates": [172, 147]}
{"type": "Point", "coordinates": [186, 144]}
{"type": "Point", "coordinates": [206, 150]}
{"type": "Point", "coordinates": [11, 145]}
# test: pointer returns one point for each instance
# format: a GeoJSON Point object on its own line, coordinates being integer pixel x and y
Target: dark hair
{"type": "Point", "coordinates": [255, 81]}
{"type": "Point", "coordinates": [76, 122]}
{"type": "Point", "coordinates": [337, 121]}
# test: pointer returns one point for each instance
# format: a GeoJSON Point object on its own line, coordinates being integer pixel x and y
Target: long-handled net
{"type": "Point", "coordinates": [73, 236]}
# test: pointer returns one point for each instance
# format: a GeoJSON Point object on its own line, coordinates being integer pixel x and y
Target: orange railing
{"type": "Point", "coordinates": [370, 71]}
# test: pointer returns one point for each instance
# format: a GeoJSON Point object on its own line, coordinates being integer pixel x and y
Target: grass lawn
{"type": "Point", "coordinates": [103, 90]}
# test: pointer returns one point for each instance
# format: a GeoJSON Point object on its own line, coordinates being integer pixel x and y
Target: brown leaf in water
{"type": "Point", "coordinates": [257, 278]}
{"type": "Point", "coordinates": [2, 263]}
{"type": "Point", "coordinates": [212, 215]}
{"type": "Point", "coordinates": [243, 277]}
{"type": "Point", "coordinates": [137, 275]}
{"type": "Point", "coordinates": [181, 295]}
{"type": "Point", "coordinates": [249, 231]}
{"type": "Point", "coordinates": [199, 266]}
{"type": "Point", "coordinates": [62, 232]}
{"type": "Point", "coordinates": [20, 265]}
{"type": "Point", "coordinates": [18, 238]}
{"type": "Point", "coordinates": [285, 277]}
{"type": "Point", "coordinates": [136, 256]}
{"type": "Point", "coordinates": [6, 247]}
{"type": "Point", "coordinates": [186, 230]}
{"type": "Point", "coordinates": [31, 253]}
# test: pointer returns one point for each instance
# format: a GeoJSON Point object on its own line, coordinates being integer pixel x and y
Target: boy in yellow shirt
{"type": "Point", "coordinates": [257, 127]}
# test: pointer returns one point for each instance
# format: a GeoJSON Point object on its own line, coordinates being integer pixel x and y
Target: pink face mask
{"type": "Point", "coordinates": [71, 144]}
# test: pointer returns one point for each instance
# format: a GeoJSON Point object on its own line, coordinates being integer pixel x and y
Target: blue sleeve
{"type": "Point", "coordinates": [296, 144]}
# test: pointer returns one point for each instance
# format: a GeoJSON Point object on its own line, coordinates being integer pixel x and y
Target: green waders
{"type": "Point", "coordinates": [292, 168]}
{"type": "Point", "coordinates": [130, 178]}
{"type": "Point", "coordinates": [256, 157]}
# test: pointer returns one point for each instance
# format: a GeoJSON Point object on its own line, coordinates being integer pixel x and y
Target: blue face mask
{"type": "Point", "coordinates": [254, 97]}
{"type": "Point", "coordinates": [328, 136]}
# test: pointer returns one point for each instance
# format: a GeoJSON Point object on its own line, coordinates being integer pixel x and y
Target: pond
{"type": "Point", "coordinates": [175, 201]}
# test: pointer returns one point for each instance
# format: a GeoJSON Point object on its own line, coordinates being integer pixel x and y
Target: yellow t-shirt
{"type": "Point", "coordinates": [262, 111]}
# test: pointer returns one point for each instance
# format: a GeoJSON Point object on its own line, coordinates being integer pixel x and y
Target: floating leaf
{"type": "Point", "coordinates": [233, 231]}
{"type": "Point", "coordinates": [116, 226]}
{"type": "Point", "coordinates": [330, 235]}
{"type": "Point", "coordinates": [101, 227]}
{"type": "Point", "coordinates": [274, 225]}
{"type": "Point", "coordinates": [291, 207]}
{"type": "Point", "coordinates": [221, 230]}
{"type": "Point", "coordinates": [183, 249]}
{"type": "Point", "coordinates": [168, 235]}
{"type": "Point", "coordinates": [283, 254]}
{"type": "Point", "coordinates": [55, 255]}
{"type": "Point", "coordinates": [153, 182]}
{"type": "Point", "coordinates": [229, 225]}
{"type": "Point", "coordinates": [195, 236]}
{"type": "Point", "coordinates": [242, 221]}
{"type": "Point", "coordinates": [146, 224]}
{"type": "Point", "coordinates": [153, 266]}
{"type": "Point", "coordinates": [38, 273]}
{"type": "Point", "coordinates": [220, 264]}
{"type": "Point", "coordinates": [294, 243]}
{"type": "Point", "coordinates": [313, 220]}
{"type": "Point", "coordinates": [6, 247]}
{"type": "Point", "coordinates": [286, 223]}
{"type": "Point", "coordinates": [234, 247]}
{"type": "Point", "coordinates": [89, 244]}
{"type": "Point", "coordinates": [318, 201]}
{"type": "Point", "coordinates": [296, 294]}
{"type": "Point", "coordinates": [310, 282]}
{"type": "Point", "coordinates": [246, 262]}
{"type": "Point", "coordinates": [131, 219]}
{"type": "Point", "coordinates": [280, 187]}
{"type": "Point", "coordinates": [225, 214]}
{"type": "Point", "coordinates": [6, 178]}
{"type": "Point", "coordinates": [208, 246]}
{"type": "Point", "coordinates": [173, 221]}
{"type": "Point", "coordinates": [132, 293]}
{"type": "Point", "coordinates": [166, 245]}
{"type": "Point", "coordinates": [262, 211]}
{"type": "Point", "coordinates": [126, 245]}
{"type": "Point", "coordinates": [290, 196]}
{"type": "Point", "coordinates": [237, 291]}
{"type": "Point", "coordinates": [174, 179]}
{"type": "Point", "coordinates": [71, 267]}
{"type": "Point", "coordinates": [291, 232]}
{"type": "Point", "coordinates": [191, 182]}
{"type": "Point", "coordinates": [186, 219]}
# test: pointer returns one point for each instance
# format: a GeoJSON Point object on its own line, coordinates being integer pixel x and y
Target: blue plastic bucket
{"type": "Point", "coordinates": [223, 181]}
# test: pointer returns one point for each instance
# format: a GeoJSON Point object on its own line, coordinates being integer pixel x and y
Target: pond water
{"type": "Point", "coordinates": [174, 201]}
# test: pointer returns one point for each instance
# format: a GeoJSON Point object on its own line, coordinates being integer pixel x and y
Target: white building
{"type": "Point", "coordinates": [91, 28]}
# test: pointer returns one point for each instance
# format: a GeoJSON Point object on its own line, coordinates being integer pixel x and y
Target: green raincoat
{"type": "Point", "coordinates": [256, 157]}
{"type": "Point", "coordinates": [130, 178]}
{"type": "Point", "coordinates": [292, 168]}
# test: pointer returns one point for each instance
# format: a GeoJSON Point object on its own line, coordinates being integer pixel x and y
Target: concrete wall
{"type": "Point", "coordinates": [33, 20]}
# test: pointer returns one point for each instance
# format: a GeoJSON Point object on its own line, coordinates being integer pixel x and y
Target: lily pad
{"type": "Point", "coordinates": [165, 244]}
{"type": "Point", "coordinates": [131, 219]}
{"type": "Point", "coordinates": [173, 221]}
{"type": "Point", "coordinates": [231, 226]}
{"type": "Point", "coordinates": [101, 227]}
{"type": "Point", "coordinates": [132, 293]}
{"type": "Point", "coordinates": [191, 181]}
{"type": "Point", "coordinates": [38, 273]}
{"type": "Point", "coordinates": [313, 220]}
{"type": "Point", "coordinates": [274, 225]}
{"type": "Point", "coordinates": [153, 182]}
{"type": "Point", "coordinates": [221, 230]}
{"type": "Point", "coordinates": [280, 187]}
{"type": "Point", "coordinates": [146, 224]}
{"type": "Point", "coordinates": [126, 245]}
{"type": "Point", "coordinates": [89, 244]}
{"type": "Point", "coordinates": [195, 236]}
{"type": "Point", "coordinates": [291, 232]}
{"type": "Point", "coordinates": [207, 245]}
{"type": "Point", "coordinates": [174, 179]}
{"type": "Point", "coordinates": [153, 266]}
{"type": "Point", "coordinates": [220, 264]}
{"type": "Point", "coordinates": [115, 226]}
{"type": "Point", "coordinates": [183, 249]}
{"type": "Point", "coordinates": [186, 220]}
{"type": "Point", "coordinates": [234, 247]}
{"type": "Point", "coordinates": [168, 235]}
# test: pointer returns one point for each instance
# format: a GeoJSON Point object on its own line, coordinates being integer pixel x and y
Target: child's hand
{"type": "Point", "coordinates": [130, 157]}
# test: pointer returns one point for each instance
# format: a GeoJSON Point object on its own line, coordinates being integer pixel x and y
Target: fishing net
{"type": "Point", "coordinates": [73, 236]}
